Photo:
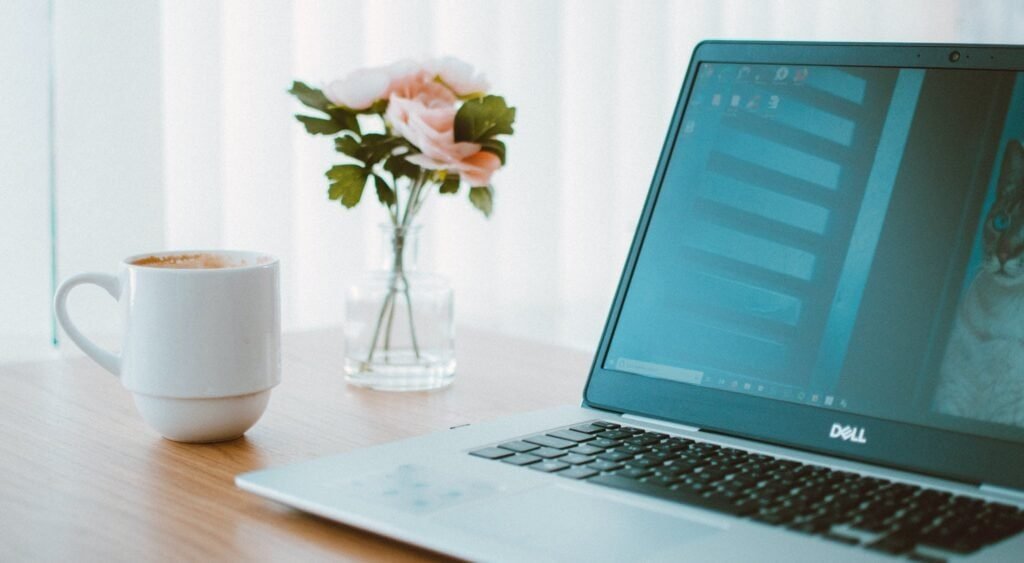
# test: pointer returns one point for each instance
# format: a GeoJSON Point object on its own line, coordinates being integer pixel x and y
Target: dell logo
{"type": "Point", "coordinates": [848, 433]}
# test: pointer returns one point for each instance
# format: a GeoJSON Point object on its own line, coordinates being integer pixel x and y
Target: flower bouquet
{"type": "Point", "coordinates": [408, 130]}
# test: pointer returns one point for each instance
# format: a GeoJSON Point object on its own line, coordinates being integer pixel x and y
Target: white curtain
{"type": "Point", "coordinates": [172, 129]}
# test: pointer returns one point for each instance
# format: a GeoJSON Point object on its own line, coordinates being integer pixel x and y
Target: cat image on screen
{"type": "Point", "coordinates": [982, 374]}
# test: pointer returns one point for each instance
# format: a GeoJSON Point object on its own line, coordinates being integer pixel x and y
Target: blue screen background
{"type": "Point", "coordinates": [814, 231]}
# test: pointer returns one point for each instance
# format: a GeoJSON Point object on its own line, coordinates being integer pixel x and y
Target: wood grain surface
{"type": "Point", "coordinates": [83, 478]}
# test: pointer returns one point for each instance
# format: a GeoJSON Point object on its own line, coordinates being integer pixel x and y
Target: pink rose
{"type": "Point", "coordinates": [429, 124]}
{"type": "Point", "coordinates": [478, 167]}
{"type": "Point", "coordinates": [421, 109]}
{"type": "Point", "coordinates": [421, 86]}
{"type": "Point", "coordinates": [361, 88]}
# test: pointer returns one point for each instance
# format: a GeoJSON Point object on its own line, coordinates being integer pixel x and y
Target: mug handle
{"type": "Point", "coordinates": [110, 361]}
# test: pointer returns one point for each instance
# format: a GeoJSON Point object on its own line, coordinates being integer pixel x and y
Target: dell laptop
{"type": "Point", "coordinates": [815, 352]}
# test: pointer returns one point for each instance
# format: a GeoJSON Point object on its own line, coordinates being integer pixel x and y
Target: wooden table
{"type": "Point", "coordinates": [83, 478]}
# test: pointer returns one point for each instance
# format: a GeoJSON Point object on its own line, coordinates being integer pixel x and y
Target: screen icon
{"type": "Point", "coordinates": [773, 102]}
{"type": "Point", "coordinates": [716, 100]}
{"type": "Point", "coordinates": [828, 400]}
{"type": "Point", "coordinates": [782, 73]}
{"type": "Point", "coordinates": [735, 101]}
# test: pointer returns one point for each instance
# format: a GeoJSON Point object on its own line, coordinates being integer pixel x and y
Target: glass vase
{"type": "Point", "coordinates": [399, 330]}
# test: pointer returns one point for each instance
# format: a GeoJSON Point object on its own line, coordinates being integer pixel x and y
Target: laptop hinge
{"type": "Point", "coordinates": [661, 422]}
{"type": "Point", "coordinates": [1011, 494]}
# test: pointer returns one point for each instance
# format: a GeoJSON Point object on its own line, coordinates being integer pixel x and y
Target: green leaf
{"type": "Point", "coordinates": [483, 118]}
{"type": "Point", "coordinates": [376, 147]}
{"type": "Point", "coordinates": [348, 145]}
{"type": "Point", "coordinates": [346, 117]}
{"type": "Point", "coordinates": [384, 192]}
{"type": "Point", "coordinates": [378, 107]}
{"type": "Point", "coordinates": [348, 183]}
{"type": "Point", "coordinates": [450, 184]}
{"type": "Point", "coordinates": [317, 126]}
{"type": "Point", "coordinates": [343, 118]}
{"type": "Point", "coordinates": [399, 166]}
{"type": "Point", "coordinates": [482, 199]}
{"type": "Point", "coordinates": [310, 97]}
{"type": "Point", "coordinates": [493, 146]}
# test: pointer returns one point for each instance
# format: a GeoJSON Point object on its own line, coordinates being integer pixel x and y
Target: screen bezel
{"type": "Point", "coordinates": [943, 453]}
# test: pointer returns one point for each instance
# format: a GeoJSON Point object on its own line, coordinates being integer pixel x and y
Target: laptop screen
{"type": "Point", "coordinates": [850, 238]}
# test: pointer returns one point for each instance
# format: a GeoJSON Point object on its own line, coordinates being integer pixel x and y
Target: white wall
{"type": "Point", "coordinates": [25, 237]}
{"type": "Point", "coordinates": [173, 130]}
{"type": "Point", "coordinates": [108, 149]}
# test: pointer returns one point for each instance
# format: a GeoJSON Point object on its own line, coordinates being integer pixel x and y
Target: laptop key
{"type": "Point", "coordinates": [577, 472]}
{"type": "Point", "coordinates": [895, 544]}
{"type": "Point", "coordinates": [605, 424]}
{"type": "Point", "coordinates": [642, 462]}
{"type": "Point", "coordinates": [550, 441]}
{"type": "Point", "coordinates": [848, 540]}
{"type": "Point", "coordinates": [577, 459]}
{"type": "Point", "coordinates": [645, 440]}
{"type": "Point", "coordinates": [491, 453]}
{"type": "Point", "coordinates": [548, 453]}
{"type": "Point", "coordinates": [663, 480]}
{"type": "Point", "coordinates": [549, 466]}
{"type": "Point", "coordinates": [805, 497]}
{"type": "Point", "coordinates": [586, 449]}
{"type": "Point", "coordinates": [633, 449]}
{"type": "Point", "coordinates": [521, 459]}
{"type": "Point", "coordinates": [615, 434]}
{"type": "Point", "coordinates": [615, 456]}
{"type": "Point", "coordinates": [571, 435]}
{"type": "Point", "coordinates": [605, 443]}
{"type": "Point", "coordinates": [604, 465]}
{"type": "Point", "coordinates": [634, 472]}
{"type": "Point", "coordinates": [518, 446]}
{"type": "Point", "coordinates": [588, 428]}
{"type": "Point", "coordinates": [650, 489]}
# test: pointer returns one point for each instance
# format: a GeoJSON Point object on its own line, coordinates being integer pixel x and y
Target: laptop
{"type": "Point", "coordinates": [815, 352]}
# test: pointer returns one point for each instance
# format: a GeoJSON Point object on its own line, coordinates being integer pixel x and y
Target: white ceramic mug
{"type": "Point", "coordinates": [201, 347]}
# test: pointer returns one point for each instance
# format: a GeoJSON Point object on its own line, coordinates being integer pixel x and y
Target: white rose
{"type": "Point", "coordinates": [459, 76]}
{"type": "Point", "coordinates": [360, 89]}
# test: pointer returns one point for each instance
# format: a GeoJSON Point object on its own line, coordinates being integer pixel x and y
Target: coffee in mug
{"type": "Point", "coordinates": [198, 260]}
{"type": "Point", "coordinates": [201, 347]}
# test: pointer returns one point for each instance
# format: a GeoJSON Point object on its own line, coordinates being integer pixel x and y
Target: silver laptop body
{"type": "Point", "coordinates": [810, 356]}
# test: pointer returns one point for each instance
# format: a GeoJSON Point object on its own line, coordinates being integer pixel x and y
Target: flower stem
{"type": "Point", "coordinates": [412, 324]}
{"type": "Point", "coordinates": [391, 320]}
{"type": "Point", "coordinates": [397, 277]}
{"type": "Point", "coordinates": [380, 320]}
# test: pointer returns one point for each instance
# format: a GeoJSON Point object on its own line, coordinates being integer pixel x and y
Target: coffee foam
{"type": "Point", "coordinates": [189, 262]}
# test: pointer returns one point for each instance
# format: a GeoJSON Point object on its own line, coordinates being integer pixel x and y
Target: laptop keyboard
{"type": "Point", "coordinates": [891, 517]}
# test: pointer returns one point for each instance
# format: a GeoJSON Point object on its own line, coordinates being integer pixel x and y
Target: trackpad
{"type": "Point", "coordinates": [556, 520]}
